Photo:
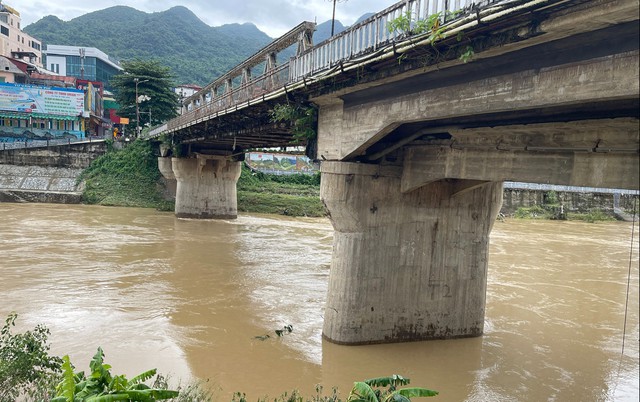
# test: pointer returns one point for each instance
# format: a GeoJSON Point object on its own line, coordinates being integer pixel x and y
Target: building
{"type": "Point", "coordinates": [13, 42]}
{"type": "Point", "coordinates": [9, 72]}
{"type": "Point", "coordinates": [85, 63]}
{"type": "Point", "coordinates": [186, 90]}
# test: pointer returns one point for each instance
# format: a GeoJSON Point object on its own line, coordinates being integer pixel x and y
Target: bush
{"type": "Point", "coordinates": [127, 177]}
{"type": "Point", "coordinates": [534, 212]}
{"type": "Point", "coordinates": [26, 369]}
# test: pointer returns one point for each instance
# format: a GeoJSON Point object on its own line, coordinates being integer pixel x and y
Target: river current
{"type": "Point", "coordinates": [195, 299]}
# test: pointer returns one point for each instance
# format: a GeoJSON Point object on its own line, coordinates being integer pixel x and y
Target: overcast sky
{"type": "Point", "coordinates": [274, 17]}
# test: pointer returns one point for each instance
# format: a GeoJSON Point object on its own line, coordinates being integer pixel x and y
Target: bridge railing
{"type": "Point", "coordinates": [368, 35]}
{"type": "Point", "coordinates": [253, 89]}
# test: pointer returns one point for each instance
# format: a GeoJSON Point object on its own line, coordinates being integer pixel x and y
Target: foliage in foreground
{"type": "Point", "coordinates": [102, 386]}
{"type": "Point", "coordinates": [364, 391]}
{"type": "Point", "coordinates": [128, 177]}
{"type": "Point", "coordinates": [372, 390]}
{"type": "Point", "coordinates": [26, 369]}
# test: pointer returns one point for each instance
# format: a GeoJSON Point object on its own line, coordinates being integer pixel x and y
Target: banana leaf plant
{"type": "Point", "coordinates": [102, 386]}
{"type": "Point", "coordinates": [363, 391]}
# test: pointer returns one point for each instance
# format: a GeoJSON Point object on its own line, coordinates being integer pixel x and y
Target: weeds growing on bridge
{"type": "Point", "coordinates": [434, 25]}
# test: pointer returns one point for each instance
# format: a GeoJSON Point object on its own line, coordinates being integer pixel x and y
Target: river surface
{"type": "Point", "coordinates": [189, 297]}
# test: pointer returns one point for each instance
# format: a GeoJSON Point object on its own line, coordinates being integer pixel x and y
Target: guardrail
{"type": "Point", "coordinates": [46, 143]}
{"type": "Point", "coordinates": [254, 89]}
{"type": "Point", "coordinates": [369, 35]}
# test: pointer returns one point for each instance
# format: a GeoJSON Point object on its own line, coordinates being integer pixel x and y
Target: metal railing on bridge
{"type": "Point", "coordinates": [370, 34]}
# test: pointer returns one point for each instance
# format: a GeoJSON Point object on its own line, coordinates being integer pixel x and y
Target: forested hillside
{"type": "Point", "coordinates": [194, 51]}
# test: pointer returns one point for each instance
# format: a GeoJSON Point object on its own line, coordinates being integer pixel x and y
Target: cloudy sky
{"type": "Point", "coordinates": [274, 17]}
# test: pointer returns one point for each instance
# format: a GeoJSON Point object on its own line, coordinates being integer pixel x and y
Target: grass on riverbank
{"type": "Point", "coordinates": [553, 212]}
{"type": "Point", "coordinates": [125, 178]}
{"type": "Point", "coordinates": [294, 195]}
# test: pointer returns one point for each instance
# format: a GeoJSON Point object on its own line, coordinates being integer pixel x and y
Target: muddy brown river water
{"type": "Point", "coordinates": [189, 297]}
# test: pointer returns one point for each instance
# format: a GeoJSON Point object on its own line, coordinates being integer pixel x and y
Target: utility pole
{"type": "Point", "coordinates": [137, 81]}
{"type": "Point", "coordinates": [82, 53]}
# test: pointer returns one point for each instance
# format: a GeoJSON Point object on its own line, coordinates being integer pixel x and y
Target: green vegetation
{"type": "Point", "coordinates": [364, 391]}
{"type": "Point", "coordinates": [130, 178]}
{"type": "Point", "coordinates": [127, 178]}
{"type": "Point", "coordinates": [102, 386]}
{"type": "Point", "coordinates": [157, 103]}
{"type": "Point", "coordinates": [26, 369]}
{"type": "Point", "coordinates": [27, 372]}
{"type": "Point", "coordinates": [534, 212]}
{"type": "Point", "coordinates": [294, 195]}
{"type": "Point", "coordinates": [303, 120]}
{"type": "Point", "coordinates": [595, 215]}
{"type": "Point", "coordinates": [433, 25]}
{"type": "Point", "coordinates": [552, 208]}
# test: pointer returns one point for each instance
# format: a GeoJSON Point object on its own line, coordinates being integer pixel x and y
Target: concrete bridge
{"type": "Point", "coordinates": [416, 130]}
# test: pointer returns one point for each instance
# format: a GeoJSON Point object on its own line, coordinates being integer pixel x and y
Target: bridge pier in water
{"type": "Point", "coordinates": [206, 186]}
{"type": "Point", "coordinates": [405, 266]}
{"type": "Point", "coordinates": [166, 169]}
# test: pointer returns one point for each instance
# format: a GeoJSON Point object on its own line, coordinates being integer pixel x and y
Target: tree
{"type": "Point", "coordinates": [157, 100]}
{"type": "Point", "coordinates": [26, 368]}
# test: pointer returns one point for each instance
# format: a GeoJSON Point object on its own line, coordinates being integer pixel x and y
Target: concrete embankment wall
{"type": "Point", "coordinates": [39, 184]}
{"type": "Point", "coordinates": [46, 174]}
{"type": "Point", "coordinates": [572, 201]}
{"type": "Point", "coordinates": [76, 155]}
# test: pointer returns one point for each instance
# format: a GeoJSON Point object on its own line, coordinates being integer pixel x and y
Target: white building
{"type": "Point", "coordinates": [87, 63]}
{"type": "Point", "coordinates": [13, 42]}
{"type": "Point", "coordinates": [186, 90]}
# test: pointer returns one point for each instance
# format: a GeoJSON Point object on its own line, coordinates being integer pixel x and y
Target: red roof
{"type": "Point", "coordinates": [66, 80]}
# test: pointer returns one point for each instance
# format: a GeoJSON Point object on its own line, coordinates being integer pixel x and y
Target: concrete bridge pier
{"type": "Point", "coordinates": [405, 266]}
{"type": "Point", "coordinates": [206, 187]}
{"type": "Point", "coordinates": [166, 169]}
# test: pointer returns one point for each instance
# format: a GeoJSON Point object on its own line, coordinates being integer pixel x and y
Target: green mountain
{"type": "Point", "coordinates": [195, 52]}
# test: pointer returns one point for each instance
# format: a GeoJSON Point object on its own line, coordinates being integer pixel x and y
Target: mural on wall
{"type": "Point", "coordinates": [280, 163]}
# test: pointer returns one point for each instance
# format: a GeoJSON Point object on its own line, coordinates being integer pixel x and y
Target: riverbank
{"type": "Point", "coordinates": [130, 178]}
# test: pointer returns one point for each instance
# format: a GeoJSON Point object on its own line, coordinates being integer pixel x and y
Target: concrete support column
{"type": "Point", "coordinates": [166, 169]}
{"type": "Point", "coordinates": [206, 187]}
{"type": "Point", "coordinates": [406, 266]}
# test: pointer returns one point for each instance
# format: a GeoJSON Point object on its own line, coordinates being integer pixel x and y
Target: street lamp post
{"type": "Point", "coordinates": [137, 81]}
{"type": "Point", "coordinates": [333, 15]}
